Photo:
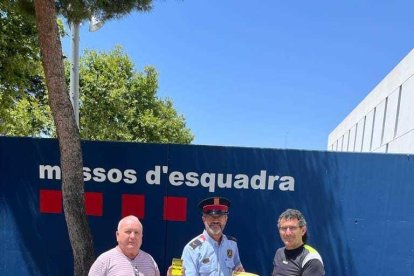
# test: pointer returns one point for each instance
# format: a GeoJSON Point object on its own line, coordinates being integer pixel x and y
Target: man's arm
{"type": "Point", "coordinates": [97, 268]}
{"type": "Point", "coordinates": [190, 266]}
{"type": "Point", "coordinates": [238, 267]}
{"type": "Point", "coordinates": [155, 266]}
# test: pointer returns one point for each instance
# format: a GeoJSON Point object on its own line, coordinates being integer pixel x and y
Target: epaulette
{"type": "Point", "coordinates": [231, 238]}
{"type": "Point", "coordinates": [197, 242]}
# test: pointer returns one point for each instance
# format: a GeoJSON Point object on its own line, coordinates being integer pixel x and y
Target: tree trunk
{"type": "Point", "coordinates": [68, 135]}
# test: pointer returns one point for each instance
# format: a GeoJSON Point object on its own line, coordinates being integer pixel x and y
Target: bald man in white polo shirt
{"type": "Point", "coordinates": [126, 259]}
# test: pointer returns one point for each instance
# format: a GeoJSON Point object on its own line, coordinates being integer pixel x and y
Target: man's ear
{"type": "Point", "coordinates": [304, 229]}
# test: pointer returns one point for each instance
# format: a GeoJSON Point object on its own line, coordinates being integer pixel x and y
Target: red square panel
{"type": "Point", "coordinates": [94, 204]}
{"type": "Point", "coordinates": [175, 208]}
{"type": "Point", "coordinates": [133, 205]}
{"type": "Point", "coordinates": [50, 201]}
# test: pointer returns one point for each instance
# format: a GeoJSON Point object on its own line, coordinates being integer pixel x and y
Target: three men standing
{"type": "Point", "coordinates": [212, 253]}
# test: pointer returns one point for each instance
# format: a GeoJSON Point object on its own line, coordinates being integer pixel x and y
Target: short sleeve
{"type": "Point", "coordinates": [313, 267]}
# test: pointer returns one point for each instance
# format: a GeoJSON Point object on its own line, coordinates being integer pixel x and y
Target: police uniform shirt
{"type": "Point", "coordinates": [204, 256]}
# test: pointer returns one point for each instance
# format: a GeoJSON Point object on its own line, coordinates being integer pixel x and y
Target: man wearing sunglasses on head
{"type": "Point", "coordinates": [212, 253]}
{"type": "Point", "coordinates": [296, 258]}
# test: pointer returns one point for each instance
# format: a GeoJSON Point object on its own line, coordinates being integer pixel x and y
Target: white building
{"type": "Point", "coordinates": [384, 120]}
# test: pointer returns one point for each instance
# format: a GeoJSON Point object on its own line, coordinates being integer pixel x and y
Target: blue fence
{"type": "Point", "coordinates": [359, 207]}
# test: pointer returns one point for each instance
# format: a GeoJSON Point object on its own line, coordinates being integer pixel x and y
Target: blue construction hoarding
{"type": "Point", "coordinates": [359, 207]}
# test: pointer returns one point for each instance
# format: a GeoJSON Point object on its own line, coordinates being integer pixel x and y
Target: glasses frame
{"type": "Point", "coordinates": [291, 228]}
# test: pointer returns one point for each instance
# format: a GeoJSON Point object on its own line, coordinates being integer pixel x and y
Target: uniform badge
{"type": "Point", "coordinates": [229, 253]}
{"type": "Point", "coordinates": [206, 260]}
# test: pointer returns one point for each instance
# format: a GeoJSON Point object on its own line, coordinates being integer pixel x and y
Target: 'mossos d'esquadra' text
{"type": "Point", "coordinates": [210, 180]}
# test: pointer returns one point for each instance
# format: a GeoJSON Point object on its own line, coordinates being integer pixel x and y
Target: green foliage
{"type": "Point", "coordinates": [79, 10]}
{"type": "Point", "coordinates": [116, 103]}
{"type": "Point", "coordinates": [27, 114]}
{"type": "Point", "coordinates": [120, 104]}
{"type": "Point", "coordinates": [19, 50]}
{"type": "Point", "coordinates": [22, 91]}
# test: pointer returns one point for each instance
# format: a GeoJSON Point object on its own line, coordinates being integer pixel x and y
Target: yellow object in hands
{"type": "Point", "coordinates": [244, 274]}
{"type": "Point", "coordinates": [177, 267]}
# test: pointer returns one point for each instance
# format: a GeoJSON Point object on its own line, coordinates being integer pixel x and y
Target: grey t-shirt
{"type": "Point", "coordinates": [302, 261]}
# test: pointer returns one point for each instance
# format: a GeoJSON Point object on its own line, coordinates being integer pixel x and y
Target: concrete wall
{"type": "Point", "coordinates": [384, 120]}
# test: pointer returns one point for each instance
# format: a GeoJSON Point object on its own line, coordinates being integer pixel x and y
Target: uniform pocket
{"type": "Point", "coordinates": [205, 269]}
{"type": "Point", "coordinates": [230, 263]}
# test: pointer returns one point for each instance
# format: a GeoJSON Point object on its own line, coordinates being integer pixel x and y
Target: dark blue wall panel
{"type": "Point", "coordinates": [359, 207]}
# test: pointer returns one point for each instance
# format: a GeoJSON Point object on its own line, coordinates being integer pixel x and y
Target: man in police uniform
{"type": "Point", "coordinates": [296, 258]}
{"type": "Point", "coordinates": [212, 253]}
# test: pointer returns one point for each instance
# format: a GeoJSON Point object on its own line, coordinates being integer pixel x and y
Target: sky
{"type": "Point", "coordinates": [268, 73]}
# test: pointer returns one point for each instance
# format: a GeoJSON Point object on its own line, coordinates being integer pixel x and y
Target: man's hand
{"type": "Point", "coordinates": [170, 272]}
{"type": "Point", "coordinates": [238, 268]}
